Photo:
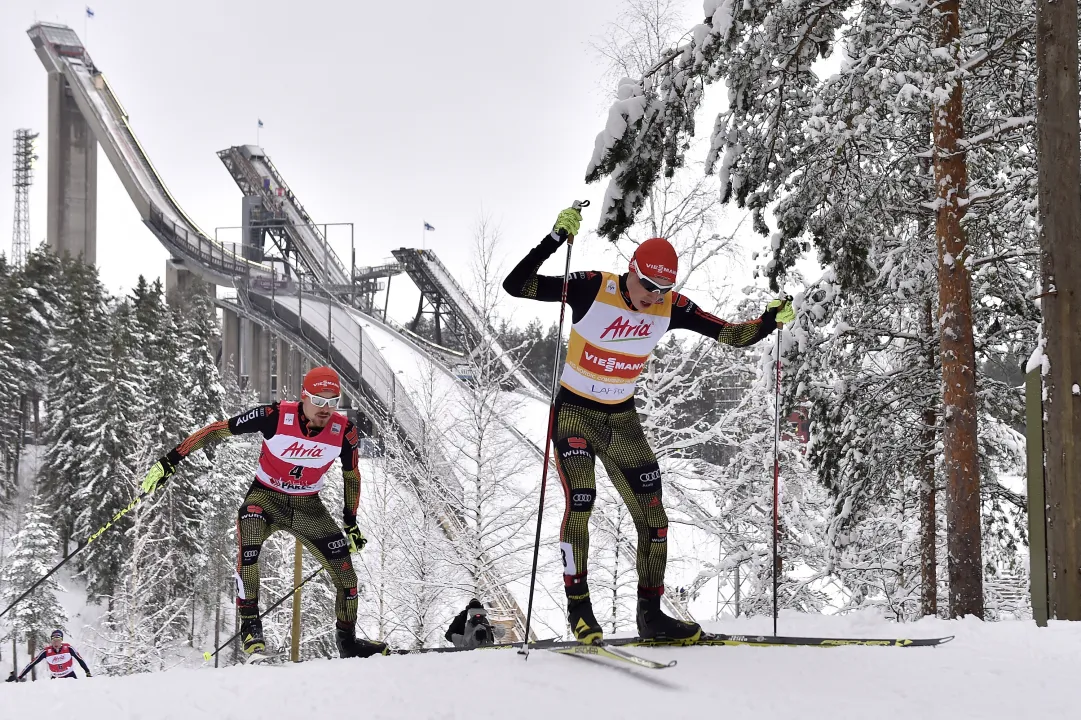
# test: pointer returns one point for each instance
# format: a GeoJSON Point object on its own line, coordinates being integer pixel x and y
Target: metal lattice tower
{"type": "Point", "coordinates": [22, 177]}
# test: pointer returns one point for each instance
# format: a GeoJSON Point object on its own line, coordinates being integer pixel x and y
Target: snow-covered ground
{"type": "Point", "coordinates": [993, 670]}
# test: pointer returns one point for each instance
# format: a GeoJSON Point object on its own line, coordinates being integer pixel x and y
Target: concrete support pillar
{"type": "Point", "coordinates": [300, 367]}
{"type": "Point", "coordinates": [289, 375]}
{"type": "Point", "coordinates": [260, 362]}
{"type": "Point", "coordinates": [230, 343]}
{"type": "Point", "coordinates": [73, 176]}
{"type": "Point", "coordinates": [181, 282]}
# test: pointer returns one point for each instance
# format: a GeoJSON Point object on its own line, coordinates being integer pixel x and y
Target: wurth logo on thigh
{"type": "Point", "coordinates": [658, 535]}
{"type": "Point", "coordinates": [573, 446]}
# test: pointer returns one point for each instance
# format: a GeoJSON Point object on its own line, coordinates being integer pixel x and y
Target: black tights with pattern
{"type": "Point", "coordinates": [266, 511]}
{"type": "Point", "coordinates": [581, 435]}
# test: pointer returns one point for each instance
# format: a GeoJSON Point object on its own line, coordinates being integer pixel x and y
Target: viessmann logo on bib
{"type": "Point", "coordinates": [621, 330]}
{"type": "Point", "coordinates": [606, 362]}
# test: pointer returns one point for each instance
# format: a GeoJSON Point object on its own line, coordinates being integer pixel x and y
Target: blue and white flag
{"type": "Point", "coordinates": [260, 123]}
{"type": "Point", "coordinates": [89, 12]}
{"type": "Point", "coordinates": [428, 227]}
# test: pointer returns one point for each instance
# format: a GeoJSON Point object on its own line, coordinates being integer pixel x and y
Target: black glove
{"type": "Point", "coordinates": [12, 678]}
{"type": "Point", "coordinates": [88, 674]}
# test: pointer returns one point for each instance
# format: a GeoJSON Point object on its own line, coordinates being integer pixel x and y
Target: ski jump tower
{"type": "Point", "coordinates": [73, 165]}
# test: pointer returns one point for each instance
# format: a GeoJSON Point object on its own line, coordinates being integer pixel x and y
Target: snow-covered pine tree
{"type": "Point", "coordinates": [142, 629]}
{"type": "Point", "coordinates": [33, 319]}
{"type": "Point", "coordinates": [111, 456]}
{"type": "Point", "coordinates": [33, 555]}
{"type": "Point", "coordinates": [179, 507]}
{"type": "Point", "coordinates": [204, 396]}
{"type": "Point", "coordinates": [841, 156]}
{"type": "Point", "coordinates": [231, 473]}
{"type": "Point", "coordinates": [11, 419]}
{"type": "Point", "coordinates": [74, 364]}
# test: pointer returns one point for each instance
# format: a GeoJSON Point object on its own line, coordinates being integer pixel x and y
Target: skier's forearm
{"type": "Point", "coordinates": [747, 333]}
{"type": "Point", "coordinates": [201, 438]}
{"type": "Point", "coordinates": [35, 661]}
{"type": "Point", "coordinates": [352, 494]}
{"type": "Point", "coordinates": [686, 315]}
{"type": "Point", "coordinates": [350, 457]}
{"type": "Point", "coordinates": [263, 418]}
{"type": "Point", "coordinates": [79, 659]}
{"type": "Point", "coordinates": [524, 282]}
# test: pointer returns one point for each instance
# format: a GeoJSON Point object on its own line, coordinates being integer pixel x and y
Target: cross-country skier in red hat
{"type": "Point", "coordinates": [617, 321]}
{"type": "Point", "coordinates": [300, 442]}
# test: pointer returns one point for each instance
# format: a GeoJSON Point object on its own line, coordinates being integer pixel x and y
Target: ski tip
{"type": "Point", "coordinates": [207, 656]}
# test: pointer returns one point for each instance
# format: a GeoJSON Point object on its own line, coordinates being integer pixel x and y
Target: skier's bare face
{"type": "Point", "coordinates": [641, 297]}
{"type": "Point", "coordinates": [57, 642]}
{"type": "Point", "coordinates": [319, 416]}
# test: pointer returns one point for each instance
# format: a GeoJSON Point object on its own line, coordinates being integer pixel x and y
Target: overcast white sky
{"type": "Point", "coordinates": [384, 114]}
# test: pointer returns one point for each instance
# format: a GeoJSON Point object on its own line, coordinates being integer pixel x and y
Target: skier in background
{"type": "Point", "coordinates": [59, 656]}
{"type": "Point", "coordinates": [300, 442]}
{"type": "Point", "coordinates": [617, 322]}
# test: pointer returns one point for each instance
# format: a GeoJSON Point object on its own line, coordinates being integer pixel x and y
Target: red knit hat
{"type": "Point", "coordinates": [322, 379]}
{"type": "Point", "coordinates": [657, 259]}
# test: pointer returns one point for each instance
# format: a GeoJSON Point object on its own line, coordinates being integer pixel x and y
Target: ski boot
{"type": "Point", "coordinates": [251, 634]}
{"type": "Point", "coordinates": [655, 625]}
{"type": "Point", "coordinates": [583, 624]}
{"type": "Point", "coordinates": [345, 637]}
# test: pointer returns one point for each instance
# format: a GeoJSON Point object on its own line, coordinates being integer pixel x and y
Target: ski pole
{"type": "Point", "coordinates": [776, 474]}
{"type": "Point", "coordinates": [208, 656]}
{"type": "Point", "coordinates": [94, 536]}
{"type": "Point", "coordinates": [577, 205]}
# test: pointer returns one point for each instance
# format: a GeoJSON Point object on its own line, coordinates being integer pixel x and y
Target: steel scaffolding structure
{"type": "Point", "coordinates": [22, 177]}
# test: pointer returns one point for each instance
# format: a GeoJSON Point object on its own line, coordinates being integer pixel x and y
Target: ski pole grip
{"type": "Point", "coordinates": [564, 237]}
{"type": "Point", "coordinates": [579, 204]}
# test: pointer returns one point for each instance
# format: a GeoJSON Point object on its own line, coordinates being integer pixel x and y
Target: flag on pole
{"type": "Point", "coordinates": [260, 123]}
{"type": "Point", "coordinates": [427, 226]}
{"type": "Point", "coordinates": [89, 12]}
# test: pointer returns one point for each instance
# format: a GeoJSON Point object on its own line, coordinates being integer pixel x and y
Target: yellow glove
{"type": "Point", "coordinates": [569, 221]}
{"type": "Point", "coordinates": [160, 470]}
{"type": "Point", "coordinates": [356, 538]}
{"type": "Point", "coordinates": [783, 311]}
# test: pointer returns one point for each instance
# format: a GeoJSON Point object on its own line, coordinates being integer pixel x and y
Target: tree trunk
{"type": "Point", "coordinates": [957, 350]}
{"type": "Point", "coordinates": [217, 625]}
{"type": "Point", "coordinates": [30, 650]}
{"type": "Point", "coordinates": [928, 524]}
{"type": "Point", "coordinates": [1059, 158]}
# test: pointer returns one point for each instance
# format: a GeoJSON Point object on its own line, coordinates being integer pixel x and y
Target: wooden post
{"type": "Point", "coordinates": [1058, 152]}
{"type": "Point", "coordinates": [294, 653]}
{"type": "Point", "coordinates": [1037, 503]}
